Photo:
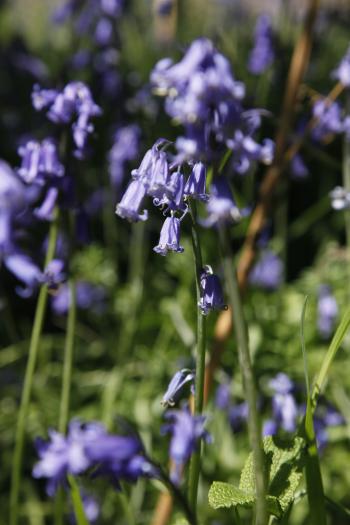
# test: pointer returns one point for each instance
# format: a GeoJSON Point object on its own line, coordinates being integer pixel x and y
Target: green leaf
{"type": "Point", "coordinates": [77, 502]}
{"type": "Point", "coordinates": [226, 495]}
{"type": "Point", "coordinates": [284, 464]}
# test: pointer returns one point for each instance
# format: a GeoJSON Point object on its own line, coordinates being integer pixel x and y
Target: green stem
{"type": "Point", "coordinates": [346, 184]}
{"type": "Point", "coordinates": [248, 379]}
{"type": "Point", "coordinates": [68, 360]}
{"type": "Point", "coordinates": [200, 359]}
{"type": "Point", "coordinates": [28, 380]}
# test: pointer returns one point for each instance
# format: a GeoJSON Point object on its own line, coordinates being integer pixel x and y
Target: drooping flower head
{"type": "Point", "coordinates": [186, 432]}
{"type": "Point", "coordinates": [196, 183]}
{"type": "Point", "coordinates": [212, 296]}
{"type": "Point", "coordinates": [40, 161]}
{"type": "Point", "coordinates": [129, 206]}
{"type": "Point", "coordinates": [169, 239]}
{"type": "Point", "coordinates": [176, 386]}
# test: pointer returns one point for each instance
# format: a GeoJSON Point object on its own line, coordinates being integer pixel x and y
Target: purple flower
{"type": "Point", "coordinates": [223, 396]}
{"type": "Point", "coordinates": [238, 415]}
{"type": "Point", "coordinates": [327, 311]}
{"type": "Point", "coordinates": [196, 183]}
{"type": "Point", "coordinates": [39, 161]}
{"type": "Point", "coordinates": [54, 274]}
{"type": "Point", "coordinates": [284, 406]}
{"type": "Point", "coordinates": [90, 446]}
{"type": "Point", "coordinates": [12, 199]}
{"type": "Point", "coordinates": [169, 237]}
{"type": "Point", "coordinates": [298, 168]}
{"type": "Point", "coordinates": [212, 296]}
{"type": "Point", "coordinates": [340, 198]}
{"type": "Point", "coordinates": [262, 55]}
{"type": "Point", "coordinates": [46, 209]}
{"type": "Point", "coordinates": [65, 455]}
{"type": "Point", "coordinates": [342, 73]}
{"type": "Point", "coordinates": [221, 207]}
{"type": "Point", "coordinates": [267, 272]}
{"type": "Point", "coordinates": [25, 270]}
{"type": "Point", "coordinates": [74, 104]}
{"type": "Point", "coordinates": [88, 297]}
{"type": "Point", "coordinates": [270, 428]}
{"type": "Point", "coordinates": [129, 206]}
{"type": "Point", "coordinates": [176, 386]}
{"type": "Point", "coordinates": [329, 119]}
{"type": "Point", "coordinates": [186, 432]}
{"type": "Point", "coordinates": [326, 416]}
{"type": "Point", "coordinates": [125, 148]}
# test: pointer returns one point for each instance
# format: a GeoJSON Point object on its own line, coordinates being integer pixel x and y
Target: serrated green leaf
{"type": "Point", "coordinates": [225, 495]}
{"type": "Point", "coordinates": [284, 463]}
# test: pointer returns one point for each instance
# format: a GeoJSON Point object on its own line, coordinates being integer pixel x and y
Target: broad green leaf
{"type": "Point", "coordinates": [284, 463]}
{"type": "Point", "coordinates": [226, 495]}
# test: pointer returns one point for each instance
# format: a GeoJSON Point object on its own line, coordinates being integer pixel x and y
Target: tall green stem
{"type": "Point", "coordinates": [200, 359]}
{"type": "Point", "coordinates": [68, 359]}
{"type": "Point", "coordinates": [248, 379]}
{"type": "Point", "coordinates": [346, 184]}
{"type": "Point", "coordinates": [28, 380]}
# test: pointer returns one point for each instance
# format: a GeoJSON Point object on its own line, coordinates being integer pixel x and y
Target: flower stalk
{"type": "Point", "coordinates": [200, 358]}
{"type": "Point", "coordinates": [248, 378]}
{"type": "Point", "coordinates": [28, 379]}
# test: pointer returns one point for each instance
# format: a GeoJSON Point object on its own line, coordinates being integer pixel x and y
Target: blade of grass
{"type": "Point", "coordinates": [312, 467]}
{"type": "Point", "coordinates": [328, 360]}
{"type": "Point", "coordinates": [78, 506]}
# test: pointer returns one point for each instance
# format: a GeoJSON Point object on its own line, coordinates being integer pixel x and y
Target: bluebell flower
{"type": "Point", "coordinates": [103, 34]}
{"type": "Point", "coordinates": [238, 415]}
{"type": "Point", "coordinates": [221, 207]}
{"type": "Point", "coordinates": [88, 297]}
{"type": "Point", "coordinates": [262, 55]}
{"type": "Point", "coordinates": [196, 183]}
{"type": "Point", "coordinates": [91, 507]}
{"type": "Point", "coordinates": [12, 200]}
{"type": "Point", "coordinates": [129, 206]}
{"type": "Point", "coordinates": [327, 311]}
{"type": "Point", "coordinates": [54, 274]}
{"type": "Point", "coordinates": [73, 105]}
{"type": "Point", "coordinates": [202, 94]}
{"type": "Point", "coordinates": [25, 270]}
{"type": "Point", "coordinates": [223, 396]}
{"type": "Point", "coordinates": [267, 273]}
{"type": "Point", "coordinates": [176, 386]}
{"type": "Point", "coordinates": [212, 296]}
{"type": "Point", "coordinates": [342, 72]}
{"type": "Point", "coordinates": [40, 161]}
{"type": "Point", "coordinates": [46, 210]}
{"type": "Point", "coordinates": [169, 239]}
{"type": "Point", "coordinates": [284, 406]}
{"type": "Point", "coordinates": [325, 416]}
{"type": "Point", "coordinates": [270, 427]}
{"type": "Point", "coordinates": [125, 148]}
{"type": "Point", "coordinates": [89, 446]}
{"type": "Point", "coordinates": [43, 98]}
{"type": "Point", "coordinates": [298, 168]}
{"type": "Point", "coordinates": [63, 455]}
{"type": "Point", "coordinates": [186, 433]}
{"type": "Point", "coordinates": [329, 119]}
{"type": "Point", "coordinates": [340, 198]}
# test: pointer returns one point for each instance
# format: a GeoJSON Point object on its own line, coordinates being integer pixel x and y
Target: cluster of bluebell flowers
{"type": "Point", "coordinates": [203, 95]}
{"type": "Point", "coordinates": [90, 449]}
